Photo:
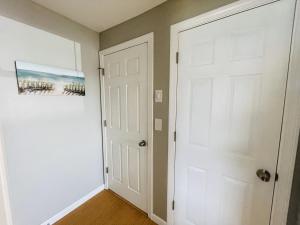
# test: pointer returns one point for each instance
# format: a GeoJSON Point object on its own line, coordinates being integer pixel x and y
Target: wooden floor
{"type": "Point", "coordinates": [106, 208]}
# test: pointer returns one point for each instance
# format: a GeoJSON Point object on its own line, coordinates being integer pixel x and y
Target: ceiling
{"type": "Point", "coordinates": [99, 15]}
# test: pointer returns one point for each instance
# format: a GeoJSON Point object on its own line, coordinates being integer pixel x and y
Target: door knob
{"type": "Point", "coordinates": [264, 175]}
{"type": "Point", "coordinates": [142, 143]}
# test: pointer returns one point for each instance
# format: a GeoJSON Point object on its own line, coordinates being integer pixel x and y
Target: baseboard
{"type": "Point", "coordinates": [158, 220]}
{"type": "Point", "coordinates": [72, 207]}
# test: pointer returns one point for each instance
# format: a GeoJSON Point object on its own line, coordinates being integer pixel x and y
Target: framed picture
{"type": "Point", "coordinates": [36, 79]}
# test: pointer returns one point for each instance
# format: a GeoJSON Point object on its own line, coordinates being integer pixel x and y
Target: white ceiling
{"type": "Point", "coordinates": [99, 15]}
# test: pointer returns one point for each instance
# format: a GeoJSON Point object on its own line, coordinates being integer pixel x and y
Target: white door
{"type": "Point", "coordinates": [232, 77]}
{"type": "Point", "coordinates": [126, 107]}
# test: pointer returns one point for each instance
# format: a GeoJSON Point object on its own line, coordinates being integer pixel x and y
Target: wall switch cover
{"type": "Point", "coordinates": [158, 96]}
{"type": "Point", "coordinates": [158, 124]}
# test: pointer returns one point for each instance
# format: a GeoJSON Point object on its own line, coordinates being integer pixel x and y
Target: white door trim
{"type": "Point", "coordinates": [149, 39]}
{"type": "Point", "coordinates": [3, 182]}
{"type": "Point", "coordinates": [291, 120]}
{"type": "Point", "coordinates": [290, 131]}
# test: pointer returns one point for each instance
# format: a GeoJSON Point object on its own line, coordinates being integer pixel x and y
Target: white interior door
{"type": "Point", "coordinates": [126, 106]}
{"type": "Point", "coordinates": [232, 77]}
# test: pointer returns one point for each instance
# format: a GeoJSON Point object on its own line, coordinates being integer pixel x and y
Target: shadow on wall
{"type": "Point", "coordinates": [294, 210]}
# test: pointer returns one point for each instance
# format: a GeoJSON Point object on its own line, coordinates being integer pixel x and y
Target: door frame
{"type": "Point", "coordinates": [149, 40]}
{"type": "Point", "coordinates": [291, 116]}
{"type": "Point", "coordinates": [4, 182]}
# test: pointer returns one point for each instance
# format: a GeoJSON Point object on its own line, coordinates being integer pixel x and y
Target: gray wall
{"type": "Point", "coordinates": [294, 210]}
{"type": "Point", "coordinates": [158, 20]}
{"type": "Point", "coordinates": [53, 158]}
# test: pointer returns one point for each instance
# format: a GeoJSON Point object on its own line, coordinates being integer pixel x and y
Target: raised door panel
{"type": "Point", "coordinates": [133, 168]}
{"type": "Point", "coordinates": [116, 166]}
{"type": "Point", "coordinates": [200, 111]}
{"type": "Point", "coordinates": [114, 107]}
{"type": "Point", "coordinates": [114, 70]}
{"type": "Point", "coordinates": [133, 105]}
{"type": "Point", "coordinates": [133, 66]}
{"type": "Point", "coordinates": [243, 109]}
{"type": "Point", "coordinates": [196, 196]}
{"type": "Point", "coordinates": [235, 202]}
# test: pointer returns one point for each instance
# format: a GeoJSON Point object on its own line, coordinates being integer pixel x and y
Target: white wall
{"type": "Point", "coordinates": [52, 143]}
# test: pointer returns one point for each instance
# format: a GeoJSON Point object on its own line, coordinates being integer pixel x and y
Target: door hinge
{"type": "Point", "coordinates": [177, 57]}
{"type": "Point", "coordinates": [104, 123]}
{"type": "Point", "coordinates": [173, 205]}
{"type": "Point", "coordinates": [102, 71]}
{"type": "Point", "coordinates": [106, 170]}
{"type": "Point", "coordinates": [276, 177]}
{"type": "Point", "coordinates": [175, 136]}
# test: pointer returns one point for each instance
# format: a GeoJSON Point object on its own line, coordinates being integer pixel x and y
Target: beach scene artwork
{"type": "Point", "coordinates": [36, 79]}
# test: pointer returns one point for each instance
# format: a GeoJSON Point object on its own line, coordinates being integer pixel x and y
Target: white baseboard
{"type": "Point", "coordinates": [72, 207]}
{"type": "Point", "coordinates": [158, 220]}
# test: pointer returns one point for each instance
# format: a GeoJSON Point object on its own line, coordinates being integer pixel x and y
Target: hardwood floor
{"type": "Point", "coordinates": [106, 208]}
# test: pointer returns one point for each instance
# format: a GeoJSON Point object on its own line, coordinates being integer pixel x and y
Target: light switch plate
{"type": "Point", "coordinates": [158, 124]}
{"type": "Point", "coordinates": [158, 96]}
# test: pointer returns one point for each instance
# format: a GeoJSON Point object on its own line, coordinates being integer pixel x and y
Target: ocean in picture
{"type": "Point", "coordinates": [44, 80]}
